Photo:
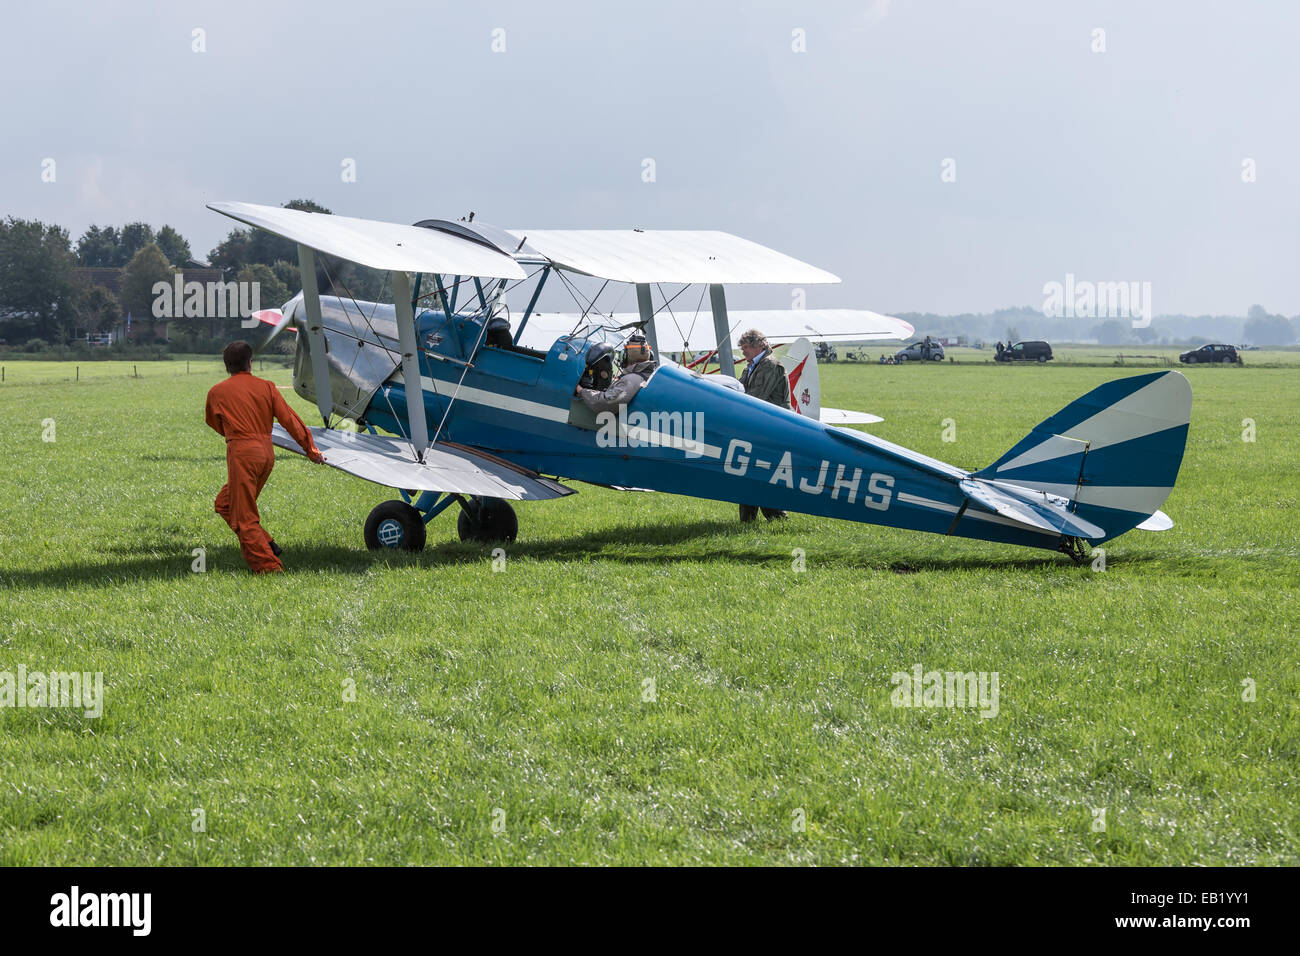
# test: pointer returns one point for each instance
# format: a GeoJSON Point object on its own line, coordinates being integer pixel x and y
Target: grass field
{"type": "Point", "coordinates": [502, 716]}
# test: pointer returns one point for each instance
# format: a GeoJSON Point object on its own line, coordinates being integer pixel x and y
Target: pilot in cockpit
{"type": "Point", "coordinates": [595, 388]}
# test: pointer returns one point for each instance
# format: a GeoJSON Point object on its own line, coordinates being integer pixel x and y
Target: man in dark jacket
{"type": "Point", "coordinates": [763, 378]}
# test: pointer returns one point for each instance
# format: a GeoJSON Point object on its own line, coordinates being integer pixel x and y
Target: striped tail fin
{"type": "Point", "coordinates": [1113, 454]}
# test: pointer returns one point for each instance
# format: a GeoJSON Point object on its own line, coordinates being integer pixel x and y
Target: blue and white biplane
{"type": "Point", "coordinates": [455, 415]}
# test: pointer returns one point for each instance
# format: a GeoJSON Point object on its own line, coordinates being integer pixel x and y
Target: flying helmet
{"type": "Point", "coordinates": [600, 367]}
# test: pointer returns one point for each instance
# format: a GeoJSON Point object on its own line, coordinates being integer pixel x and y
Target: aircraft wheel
{"type": "Point", "coordinates": [396, 525]}
{"type": "Point", "coordinates": [495, 521]}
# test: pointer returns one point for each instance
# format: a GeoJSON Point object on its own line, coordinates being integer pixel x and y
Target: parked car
{"type": "Point", "coordinates": [920, 352]}
{"type": "Point", "coordinates": [1025, 352]}
{"type": "Point", "coordinates": [1210, 353]}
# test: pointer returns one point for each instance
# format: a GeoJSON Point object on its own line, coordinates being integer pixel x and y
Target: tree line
{"type": "Point", "coordinates": [46, 303]}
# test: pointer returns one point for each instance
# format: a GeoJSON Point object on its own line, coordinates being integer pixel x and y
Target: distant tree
{"type": "Point", "coordinates": [1111, 332]}
{"type": "Point", "coordinates": [1265, 329]}
{"type": "Point", "coordinates": [287, 273]}
{"type": "Point", "coordinates": [272, 293]}
{"type": "Point", "coordinates": [133, 237]}
{"type": "Point", "coordinates": [99, 247]}
{"type": "Point", "coordinates": [36, 278]}
{"type": "Point", "coordinates": [173, 246]}
{"type": "Point", "coordinates": [146, 268]}
{"type": "Point", "coordinates": [231, 254]}
{"type": "Point", "coordinates": [96, 309]}
{"type": "Point", "coordinates": [1013, 334]}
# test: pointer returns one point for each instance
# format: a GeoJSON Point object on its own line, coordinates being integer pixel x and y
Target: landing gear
{"type": "Point", "coordinates": [1076, 549]}
{"type": "Point", "coordinates": [487, 520]}
{"type": "Point", "coordinates": [396, 525]}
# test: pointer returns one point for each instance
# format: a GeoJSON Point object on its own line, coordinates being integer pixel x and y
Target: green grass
{"type": "Point", "coordinates": [521, 690]}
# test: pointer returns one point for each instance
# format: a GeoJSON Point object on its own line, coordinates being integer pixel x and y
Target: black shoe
{"type": "Point", "coordinates": [275, 548]}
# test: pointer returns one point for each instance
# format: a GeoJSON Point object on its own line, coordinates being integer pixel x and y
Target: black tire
{"type": "Point", "coordinates": [936, 358]}
{"type": "Point", "coordinates": [1191, 360]}
{"type": "Point", "coordinates": [1226, 360]}
{"type": "Point", "coordinates": [495, 521]}
{"type": "Point", "coordinates": [900, 358]}
{"type": "Point", "coordinates": [396, 525]}
{"type": "Point", "coordinates": [1042, 358]}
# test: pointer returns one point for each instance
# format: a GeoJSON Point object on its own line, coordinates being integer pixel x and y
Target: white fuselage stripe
{"type": "Point", "coordinates": [508, 403]}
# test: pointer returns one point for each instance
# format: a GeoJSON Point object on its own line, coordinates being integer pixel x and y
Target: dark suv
{"type": "Point", "coordinates": [1025, 352]}
{"type": "Point", "coordinates": [1210, 353]}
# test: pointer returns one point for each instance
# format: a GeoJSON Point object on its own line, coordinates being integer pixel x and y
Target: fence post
{"type": "Point", "coordinates": [78, 373]}
{"type": "Point", "coordinates": [135, 369]}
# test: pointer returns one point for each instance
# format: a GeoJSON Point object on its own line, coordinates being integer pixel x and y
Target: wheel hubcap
{"type": "Point", "coordinates": [389, 533]}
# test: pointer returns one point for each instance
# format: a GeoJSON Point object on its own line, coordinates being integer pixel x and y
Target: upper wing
{"type": "Point", "coordinates": [379, 245]}
{"type": "Point", "coordinates": [386, 461]}
{"type": "Point", "coordinates": [668, 255]}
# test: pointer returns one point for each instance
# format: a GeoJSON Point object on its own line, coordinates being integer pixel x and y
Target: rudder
{"type": "Point", "coordinates": [1114, 453]}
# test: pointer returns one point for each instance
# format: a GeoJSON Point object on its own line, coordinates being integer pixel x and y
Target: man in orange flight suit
{"type": "Point", "coordinates": [240, 409]}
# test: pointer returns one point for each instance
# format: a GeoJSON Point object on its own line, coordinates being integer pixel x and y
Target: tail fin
{"type": "Point", "coordinates": [1113, 454]}
{"type": "Point", "coordinates": [799, 362]}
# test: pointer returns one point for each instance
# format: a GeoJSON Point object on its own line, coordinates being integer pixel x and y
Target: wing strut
{"type": "Point", "coordinates": [410, 363]}
{"type": "Point", "coordinates": [646, 307]}
{"type": "Point", "coordinates": [718, 300]}
{"type": "Point", "coordinates": [320, 366]}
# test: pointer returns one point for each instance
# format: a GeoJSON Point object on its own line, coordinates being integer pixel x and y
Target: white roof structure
{"type": "Point", "coordinates": [379, 245]}
{"type": "Point", "coordinates": [669, 255]}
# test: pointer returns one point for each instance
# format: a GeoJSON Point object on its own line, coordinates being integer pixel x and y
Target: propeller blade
{"type": "Point", "coordinates": [278, 321]}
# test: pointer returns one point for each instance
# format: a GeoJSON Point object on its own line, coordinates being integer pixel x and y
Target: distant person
{"type": "Point", "coordinates": [763, 378]}
{"type": "Point", "coordinates": [638, 364]}
{"type": "Point", "coordinates": [240, 409]}
{"type": "Point", "coordinates": [1000, 348]}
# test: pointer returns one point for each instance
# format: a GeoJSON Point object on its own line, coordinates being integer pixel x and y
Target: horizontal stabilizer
{"type": "Point", "coordinates": [386, 460]}
{"type": "Point", "coordinates": [1035, 509]}
{"type": "Point", "coordinates": [1157, 522]}
{"type": "Point", "coordinates": [846, 416]}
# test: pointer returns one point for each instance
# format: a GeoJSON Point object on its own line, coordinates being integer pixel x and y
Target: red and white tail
{"type": "Point", "coordinates": [799, 360]}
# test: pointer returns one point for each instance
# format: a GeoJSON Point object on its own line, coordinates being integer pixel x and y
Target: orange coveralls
{"type": "Point", "coordinates": [240, 409]}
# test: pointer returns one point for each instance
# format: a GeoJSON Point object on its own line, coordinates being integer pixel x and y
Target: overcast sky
{"type": "Point", "coordinates": [1125, 164]}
